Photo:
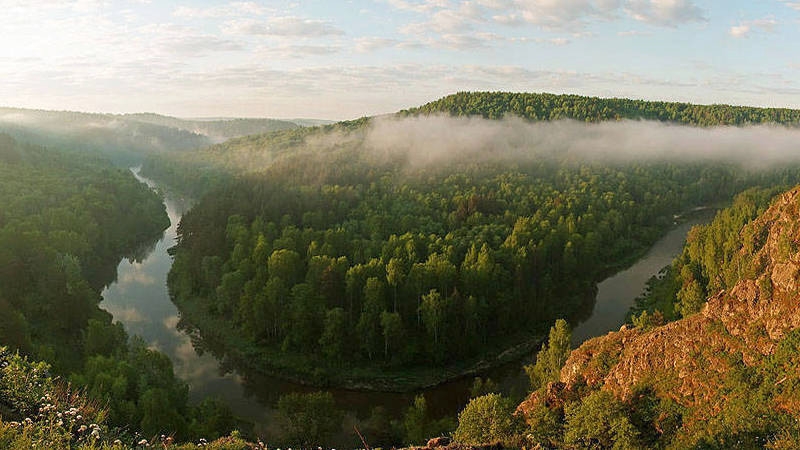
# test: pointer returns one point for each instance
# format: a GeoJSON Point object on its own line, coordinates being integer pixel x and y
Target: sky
{"type": "Point", "coordinates": [351, 58]}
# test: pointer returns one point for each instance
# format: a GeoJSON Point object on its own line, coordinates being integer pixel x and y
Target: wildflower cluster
{"type": "Point", "coordinates": [51, 415]}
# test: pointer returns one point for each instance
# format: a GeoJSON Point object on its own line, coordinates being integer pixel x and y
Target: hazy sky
{"type": "Point", "coordinates": [345, 59]}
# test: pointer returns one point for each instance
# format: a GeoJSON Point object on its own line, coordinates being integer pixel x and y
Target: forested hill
{"type": "Point", "coordinates": [196, 173]}
{"type": "Point", "coordinates": [126, 138]}
{"type": "Point", "coordinates": [496, 105]}
{"type": "Point", "coordinates": [351, 255]}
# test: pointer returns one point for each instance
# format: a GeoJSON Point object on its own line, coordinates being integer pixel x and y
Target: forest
{"type": "Point", "coordinates": [335, 266]}
{"type": "Point", "coordinates": [199, 172]}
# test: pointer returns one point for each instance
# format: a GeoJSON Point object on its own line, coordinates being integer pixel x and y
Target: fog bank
{"type": "Point", "coordinates": [442, 139]}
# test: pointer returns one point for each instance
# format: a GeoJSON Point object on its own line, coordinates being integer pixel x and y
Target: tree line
{"type": "Point", "coordinates": [532, 106]}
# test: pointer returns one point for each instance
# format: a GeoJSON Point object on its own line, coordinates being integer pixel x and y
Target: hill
{"type": "Point", "coordinates": [127, 138]}
{"type": "Point", "coordinates": [549, 107]}
{"type": "Point", "coordinates": [199, 172]}
{"type": "Point", "coordinates": [724, 377]}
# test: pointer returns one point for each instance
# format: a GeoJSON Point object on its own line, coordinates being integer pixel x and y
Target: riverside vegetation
{"type": "Point", "coordinates": [66, 220]}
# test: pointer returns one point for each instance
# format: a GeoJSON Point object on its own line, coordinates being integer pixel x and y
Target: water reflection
{"type": "Point", "coordinates": [139, 299]}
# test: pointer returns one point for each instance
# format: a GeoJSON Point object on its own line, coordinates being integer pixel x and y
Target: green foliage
{"type": "Point", "coordinates": [308, 420]}
{"type": "Point", "coordinates": [380, 430]}
{"type": "Point", "coordinates": [211, 419]}
{"type": "Point", "coordinates": [65, 221]}
{"type": "Point", "coordinates": [482, 387]}
{"type": "Point", "coordinates": [646, 321]}
{"type": "Point", "coordinates": [39, 411]}
{"type": "Point", "coordinates": [418, 426]}
{"type": "Point", "coordinates": [489, 419]}
{"type": "Point", "coordinates": [599, 421]}
{"type": "Point", "coordinates": [551, 357]}
{"type": "Point", "coordinates": [546, 426]}
{"type": "Point", "coordinates": [140, 389]}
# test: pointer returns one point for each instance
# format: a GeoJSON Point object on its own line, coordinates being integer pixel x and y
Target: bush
{"type": "Point", "coordinates": [599, 421]}
{"type": "Point", "coordinates": [487, 420]}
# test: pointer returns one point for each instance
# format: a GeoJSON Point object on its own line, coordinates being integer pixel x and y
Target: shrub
{"type": "Point", "coordinates": [487, 420]}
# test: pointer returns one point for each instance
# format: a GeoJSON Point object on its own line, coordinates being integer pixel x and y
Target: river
{"type": "Point", "coordinates": [616, 294]}
{"type": "Point", "coordinates": [140, 301]}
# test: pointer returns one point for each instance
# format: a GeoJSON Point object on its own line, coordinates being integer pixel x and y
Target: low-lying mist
{"type": "Point", "coordinates": [442, 139]}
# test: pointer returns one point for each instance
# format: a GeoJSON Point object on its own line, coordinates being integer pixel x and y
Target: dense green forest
{"type": "Point", "coordinates": [496, 105]}
{"type": "Point", "coordinates": [334, 265]}
{"type": "Point", "coordinates": [66, 220]}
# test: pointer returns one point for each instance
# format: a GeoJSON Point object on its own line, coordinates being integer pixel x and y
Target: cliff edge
{"type": "Point", "coordinates": [699, 361]}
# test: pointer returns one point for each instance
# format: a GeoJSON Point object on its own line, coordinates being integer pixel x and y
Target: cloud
{"type": "Point", "coordinates": [342, 91]}
{"type": "Point", "coordinates": [136, 277]}
{"type": "Point", "coordinates": [668, 13]}
{"type": "Point", "coordinates": [554, 15]}
{"type": "Point", "coordinates": [634, 33]}
{"type": "Point", "coordinates": [745, 28]}
{"type": "Point", "coordinates": [423, 6]}
{"type": "Point", "coordinates": [127, 316]}
{"type": "Point", "coordinates": [791, 4]}
{"type": "Point", "coordinates": [286, 26]}
{"type": "Point", "coordinates": [233, 9]}
{"type": "Point", "coordinates": [176, 40]}
{"type": "Point", "coordinates": [298, 51]}
{"type": "Point", "coordinates": [373, 43]}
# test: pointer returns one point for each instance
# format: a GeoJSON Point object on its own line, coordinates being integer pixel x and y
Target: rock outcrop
{"type": "Point", "coordinates": [688, 360]}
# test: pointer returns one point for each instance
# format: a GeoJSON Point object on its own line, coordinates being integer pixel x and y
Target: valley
{"type": "Point", "coordinates": [393, 282]}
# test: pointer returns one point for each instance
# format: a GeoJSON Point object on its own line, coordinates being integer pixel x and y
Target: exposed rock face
{"type": "Point", "coordinates": [687, 360]}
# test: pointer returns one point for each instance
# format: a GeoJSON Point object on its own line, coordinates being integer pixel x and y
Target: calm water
{"type": "Point", "coordinates": [617, 294]}
{"type": "Point", "coordinates": [139, 299]}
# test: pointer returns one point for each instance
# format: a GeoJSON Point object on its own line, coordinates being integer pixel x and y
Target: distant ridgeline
{"type": "Point", "coordinates": [126, 138]}
{"type": "Point", "coordinates": [496, 105]}
{"type": "Point", "coordinates": [320, 259]}
{"type": "Point", "coordinates": [66, 219]}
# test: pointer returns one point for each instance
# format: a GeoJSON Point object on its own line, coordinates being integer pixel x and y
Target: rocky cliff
{"type": "Point", "coordinates": [718, 360]}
